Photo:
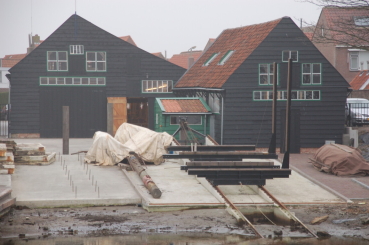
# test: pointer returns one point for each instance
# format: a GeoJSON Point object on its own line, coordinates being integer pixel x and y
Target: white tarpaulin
{"type": "Point", "coordinates": [106, 150]}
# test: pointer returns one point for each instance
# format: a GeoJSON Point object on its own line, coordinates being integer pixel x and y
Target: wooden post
{"type": "Point", "coordinates": [65, 130]}
{"type": "Point", "coordinates": [273, 141]}
{"type": "Point", "coordinates": [110, 117]}
{"type": "Point", "coordinates": [286, 157]}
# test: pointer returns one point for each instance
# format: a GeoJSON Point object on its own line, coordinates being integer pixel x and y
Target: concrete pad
{"type": "Point", "coordinates": [5, 180]}
{"type": "Point", "coordinates": [55, 185]}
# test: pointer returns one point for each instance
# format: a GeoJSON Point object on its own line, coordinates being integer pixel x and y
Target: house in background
{"type": "Point", "coordinates": [360, 85]}
{"type": "Point", "coordinates": [170, 111]}
{"type": "Point", "coordinates": [186, 59]}
{"type": "Point", "coordinates": [334, 36]}
{"type": "Point", "coordinates": [103, 79]}
{"type": "Point", "coordinates": [234, 76]}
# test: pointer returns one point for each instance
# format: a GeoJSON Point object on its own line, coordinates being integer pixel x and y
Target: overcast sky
{"type": "Point", "coordinates": [155, 25]}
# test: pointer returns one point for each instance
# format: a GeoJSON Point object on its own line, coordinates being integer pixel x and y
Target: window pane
{"type": "Point", "coordinates": [93, 80]}
{"type": "Point", "coordinates": [63, 66]}
{"type": "Point", "coordinates": [170, 85]}
{"type": "Point", "coordinates": [263, 68]}
{"type": "Point", "coordinates": [309, 95]}
{"type": "Point", "coordinates": [316, 95]}
{"type": "Point", "coordinates": [257, 95]}
{"type": "Point", "coordinates": [263, 79]}
{"type": "Point", "coordinates": [271, 79]}
{"type": "Point", "coordinates": [101, 66]}
{"type": "Point", "coordinates": [270, 95]}
{"type": "Point", "coordinates": [91, 66]}
{"type": "Point", "coordinates": [68, 80]}
{"type": "Point", "coordinates": [60, 80]}
{"type": "Point", "coordinates": [316, 68]}
{"type": "Point", "coordinates": [306, 79]}
{"type": "Point", "coordinates": [165, 86]}
{"type": "Point", "coordinates": [301, 95]}
{"type": "Point", "coordinates": [306, 68]}
{"type": "Point", "coordinates": [90, 56]}
{"type": "Point", "coordinates": [264, 95]}
{"type": "Point", "coordinates": [100, 56]}
{"type": "Point", "coordinates": [294, 55]}
{"type": "Point", "coordinates": [52, 80]}
{"type": "Point", "coordinates": [316, 78]}
{"type": "Point", "coordinates": [101, 80]}
{"type": "Point", "coordinates": [270, 68]}
{"type": "Point", "coordinates": [173, 120]}
{"type": "Point", "coordinates": [62, 56]}
{"type": "Point", "coordinates": [51, 55]}
{"type": "Point", "coordinates": [285, 55]}
{"type": "Point", "coordinates": [154, 86]}
{"type": "Point", "coordinates": [43, 80]}
{"type": "Point", "coordinates": [194, 120]}
{"type": "Point", "coordinates": [51, 66]}
{"type": "Point", "coordinates": [84, 80]}
{"type": "Point", "coordinates": [77, 80]}
{"type": "Point", "coordinates": [160, 87]}
{"type": "Point", "coordinates": [293, 95]}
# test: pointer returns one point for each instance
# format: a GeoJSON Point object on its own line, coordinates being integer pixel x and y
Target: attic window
{"type": "Point", "coordinates": [226, 57]}
{"type": "Point", "coordinates": [361, 21]}
{"type": "Point", "coordinates": [290, 54]}
{"type": "Point", "coordinates": [57, 61]}
{"type": "Point", "coordinates": [212, 57]}
{"type": "Point", "coordinates": [76, 49]}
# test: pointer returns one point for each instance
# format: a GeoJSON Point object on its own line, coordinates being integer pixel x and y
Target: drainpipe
{"type": "Point", "coordinates": [222, 121]}
{"type": "Point", "coordinates": [205, 126]}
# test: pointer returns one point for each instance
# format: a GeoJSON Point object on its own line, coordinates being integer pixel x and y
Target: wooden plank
{"type": "Point", "coordinates": [119, 111]}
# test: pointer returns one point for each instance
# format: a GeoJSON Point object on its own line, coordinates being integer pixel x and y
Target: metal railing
{"type": "Point", "coordinates": [357, 114]}
{"type": "Point", "coordinates": [4, 120]}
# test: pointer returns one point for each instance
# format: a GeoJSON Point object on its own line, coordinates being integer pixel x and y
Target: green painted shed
{"type": "Point", "coordinates": [170, 111]}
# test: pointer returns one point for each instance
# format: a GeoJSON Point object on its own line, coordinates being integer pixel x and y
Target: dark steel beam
{"type": "Point", "coordinates": [273, 140]}
{"type": "Point", "coordinates": [216, 182]}
{"type": "Point", "coordinates": [253, 166]}
{"type": "Point", "coordinates": [286, 157]}
{"type": "Point", "coordinates": [219, 157]}
{"type": "Point", "coordinates": [212, 148]}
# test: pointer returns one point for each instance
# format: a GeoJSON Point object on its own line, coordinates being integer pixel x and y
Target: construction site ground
{"type": "Point", "coordinates": [70, 197]}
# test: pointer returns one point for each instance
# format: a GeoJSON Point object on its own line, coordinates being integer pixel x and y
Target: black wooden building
{"type": "Point", "coordinates": [235, 76]}
{"type": "Point", "coordinates": [86, 68]}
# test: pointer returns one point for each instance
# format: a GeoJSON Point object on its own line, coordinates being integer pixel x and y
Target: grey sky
{"type": "Point", "coordinates": [155, 25]}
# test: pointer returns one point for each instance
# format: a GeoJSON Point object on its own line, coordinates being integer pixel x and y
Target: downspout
{"type": "Point", "coordinates": [205, 126]}
{"type": "Point", "coordinates": [222, 120]}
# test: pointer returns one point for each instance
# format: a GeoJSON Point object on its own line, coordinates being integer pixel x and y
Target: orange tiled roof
{"type": "Point", "coordinates": [128, 39]}
{"type": "Point", "coordinates": [159, 54]}
{"type": "Point", "coordinates": [183, 106]}
{"type": "Point", "coordinates": [11, 59]}
{"type": "Point", "coordinates": [360, 81]}
{"type": "Point", "coordinates": [341, 23]}
{"type": "Point", "coordinates": [309, 35]}
{"type": "Point", "coordinates": [182, 58]}
{"type": "Point", "coordinates": [243, 41]}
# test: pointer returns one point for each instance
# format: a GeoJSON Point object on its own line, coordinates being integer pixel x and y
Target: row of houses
{"type": "Point", "coordinates": [226, 92]}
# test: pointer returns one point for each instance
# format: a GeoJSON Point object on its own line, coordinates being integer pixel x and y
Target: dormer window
{"type": "Point", "coordinates": [226, 57]}
{"type": "Point", "coordinates": [212, 57]}
{"type": "Point", "coordinates": [361, 21]}
{"type": "Point", "coordinates": [290, 54]}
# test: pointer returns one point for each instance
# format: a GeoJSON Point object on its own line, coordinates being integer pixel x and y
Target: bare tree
{"type": "Point", "coordinates": [349, 26]}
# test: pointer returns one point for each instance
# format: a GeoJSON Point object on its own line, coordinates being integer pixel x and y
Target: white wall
{"type": "Point", "coordinates": [4, 82]}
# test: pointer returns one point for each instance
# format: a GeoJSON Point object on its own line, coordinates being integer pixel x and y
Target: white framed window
{"type": "Point", "coordinates": [290, 54]}
{"type": "Point", "coordinates": [282, 95]}
{"type": "Point", "coordinates": [354, 61]}
{"type": "Point", "coordinates": [95, 61]}
{"type": "Point", "coordinates": [311, 73]}
{"type": "Point", "coordinates": [226, 57]}
{"type": "Point", "coordinates": [57, 61]}
{"type": "Point", "coordinates": [266, 74]}
{"type": "Point", "coordinates": [190, 119]}
{"type": "Point", "coordinates": [211, 58]}
{"type": "Point", "coordinates": [72, 81]}
{"type": "Point", "coordinates": [76, 49]}
{"type": "Point", "coordinates": [157, 86]}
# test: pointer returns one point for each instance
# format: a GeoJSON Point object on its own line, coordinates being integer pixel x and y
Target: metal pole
{"type": "Point", "coordinates": [65, 130]}
{"type": "Point", "coordinates": [286, 157]}
{"type": "Point", "coordinates": [273, 141]}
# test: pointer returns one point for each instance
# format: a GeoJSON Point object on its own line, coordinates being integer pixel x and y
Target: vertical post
{"type": "Point", "coordinates": [273, 141]}
{"type": "Point", "coordinates": [110, 121]}
{"type": "Point", "coordinates": [65, 130]}
{"type": "Point", "coordinates": [286, 157]}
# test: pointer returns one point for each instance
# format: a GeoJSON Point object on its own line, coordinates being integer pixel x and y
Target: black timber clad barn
{"type": "Point", "coordinates": [84, 67]}
{"type": "Point", "coordinates": [235, 76]}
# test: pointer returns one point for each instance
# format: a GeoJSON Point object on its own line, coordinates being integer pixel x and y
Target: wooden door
{"type": "Point", "coordinates": [119, 111]}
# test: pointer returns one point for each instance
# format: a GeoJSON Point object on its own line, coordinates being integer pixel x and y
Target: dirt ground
{"type": "Point", "coordinates": [350, 220]}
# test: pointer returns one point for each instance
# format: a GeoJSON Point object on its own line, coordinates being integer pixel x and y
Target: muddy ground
{"type": "Point", "coordinates": [349, 220]}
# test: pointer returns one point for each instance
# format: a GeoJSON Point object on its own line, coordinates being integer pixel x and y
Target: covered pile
{"type": "Point", "coordinates": [340, 160]}
{"type": "Point", "coordinates": [106, 150]}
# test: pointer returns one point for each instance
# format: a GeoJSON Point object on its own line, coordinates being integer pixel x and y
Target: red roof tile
{"type": "Point", "coordinates": [11, 59]}
{"type": "Point", "coordinates": [360, 81]}
{"type": "Point", "coordinates": [243, 41]}
{"type": "Point", "coordinates": [182, 58]}
{"type": "Point", "coordinates": [159, 54]}
{"type": "Point", "coordinates": [183, 106]}
{"type": "Point", "coordinates": [128, 39]}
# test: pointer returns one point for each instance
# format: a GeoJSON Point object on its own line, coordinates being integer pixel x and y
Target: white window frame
{"type": "Point", "coordinates": [290, 52]}
{"type": "Point", "coordinates": [76, 49]}
{"type": "Point", "coordinates": [269, 74]}
{"type": "Point", "coordinates": [157, 86]}
{"type": "Point", "coordinates": [354, 60]}
{"type": "Point", "coordinates": [72, 81]}
{"type": "Point", "coordinates": [95, 62]}
{"type": "Point", "coordinates": [56, 64]}
{"type": "Point", "coordinates": [226, 57]}
{"type": "Point", "coordinates": [211, 58]}
{"type": "Point", "coordinates": [311, 74]}
{"type": "Point", "coordinates": [311, 95]}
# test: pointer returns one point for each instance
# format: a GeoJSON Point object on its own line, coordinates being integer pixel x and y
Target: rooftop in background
{"type": "Point", "coordinates": [182, 58]}
{"type": "Point", "coordinates": [183, 105]}
{"type": "Point", "coordinates": [11, 59]}
{"type": "Point", "coordinates": [128, 39]}
{"type": "Point", "coordinates": [360, 81]}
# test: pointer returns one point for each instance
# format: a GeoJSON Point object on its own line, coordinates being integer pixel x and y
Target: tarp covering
{"type": "Point", "coordinates": [106, 150]}
{"type": "Point", "coordinates": [340, 160]}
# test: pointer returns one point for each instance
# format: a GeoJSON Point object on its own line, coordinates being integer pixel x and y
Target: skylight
{"type": "Point", "coordinates": [226, 57]}
{"type": "Point", "coordinates": [212, 57]}
{"type": "Point", "coordinates": [361, 21]}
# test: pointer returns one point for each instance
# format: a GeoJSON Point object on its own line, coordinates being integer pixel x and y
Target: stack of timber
{"type": "Point", "coordinates": [32, 154]}
{"type": "Point", "coordinates": [6, 160]}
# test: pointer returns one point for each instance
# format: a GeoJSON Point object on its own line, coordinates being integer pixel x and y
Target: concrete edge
{"type": "Point", "coordinates": [144, 199]}
{"type": "Point", "coordinates": [210, 189]}
{"type": "Point", "coordinates": [321, 185]}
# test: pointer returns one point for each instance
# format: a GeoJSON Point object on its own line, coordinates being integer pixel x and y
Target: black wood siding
{"type": "Point", "coordinates": [249, 122]}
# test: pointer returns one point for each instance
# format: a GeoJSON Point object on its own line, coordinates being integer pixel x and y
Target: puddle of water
{"type": "Point", "coordinates": [188, 239]}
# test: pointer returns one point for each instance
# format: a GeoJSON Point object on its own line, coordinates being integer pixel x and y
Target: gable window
{"type": "Point", "coordinates": [57, 61]}
{"type": "Point", "coordinates": [76, 49]}
{"type": "Point", "coordinates": [226, 57]}
{"type": "Point", "coordinates": [96, 61]}
{"type": "Point", "coordinates": [191, 120]}
{"type": "Point", "coordinates": [157, 86]}
{"type": "Point", "coordinates": [211, 58]}
{"type": "Point", "coordinates": [311, 74]}
{"type": "Point", "coordinates": [290, 54]}
{"type": "Point", "coordinates": [266, 74]}
{"type": "Point", "coordinates": [354, 61]}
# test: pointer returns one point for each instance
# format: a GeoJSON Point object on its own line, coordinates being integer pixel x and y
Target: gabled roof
{"type": "Point", "coordinates": [11, 59]}
{"type": "Point", "coordinates": [128, 39]}
{"type": "Point", "coordinates": [243, 41]}
{"type": "Point", "coordinates": [159, 54]}
{"type": "Point", "coordinates": [183, 105]}
{"type": "Point", "coordinates": [182, 58]}
{"type": "Point", "coordinates": [360, 81]}
{"type": "Point", "coordinates": [340, 22]}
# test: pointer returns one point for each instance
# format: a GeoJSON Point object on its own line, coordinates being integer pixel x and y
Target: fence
{"type": "Point", "coordinates": [4, 120]}
{"type": "Point", "coordinates": [357, 114]}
